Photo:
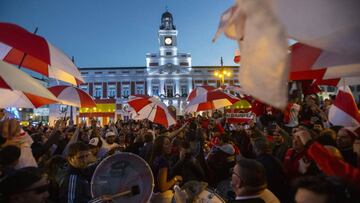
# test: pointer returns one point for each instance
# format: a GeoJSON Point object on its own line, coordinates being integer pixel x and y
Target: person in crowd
{"type": "Point", "coordinates": [249, 183]}
{"type": "Point", "coordinates": [160, 166]}
{"type": "Point", "coordinates": [75, 186]}
{"type": "Point", "coordinates": [275, 173]}
{"type": "Point", "coordinates": [220, 160]}
{"type": "Point", "coordinates": [9, 158]}
{"type": "Point", "coordinates": [28, 184]}
{"type": "Point", "coordinates": [345, 140]}
{"type": "Point", "coordinates": [281, 143]}
{"type": "Point", "coordinates": [329, 163]}
{"type": "Point", "coordinates": [55, 168]}
{"type": "Point", "coordinates": [145, 151]}
{"type": "Point", "coordinates": [187, 166]}
{"type": "Point", "coordinates": [295, 154]}
{"type": "Point", "coordinates": [322, 189]}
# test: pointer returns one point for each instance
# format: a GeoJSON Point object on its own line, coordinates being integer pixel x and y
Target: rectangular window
{"type": "Point", "coordinates": [155, 90]}
{"type": "Point", "coordinates": [112, 72]}
{"type": "Point", "coordinates": [126, 72]}
{"type": "Point", "coordinates": [358, 88]}
{"type": "Point", "coordinates": [197, 71]}
{"type": "Point", "coordinates": [211, 71]}
{"type": "Point", "coordinates": [97, 91]}
{"type": "Point", "coordinates": [331, 89]}
{"type": "Point", "coordinates": [168, 53]}
{"type": "Point", "coordinates": [139, 89]}
{"type": "Point", "coordinates": [85, 88]}
{"type": "Point", "coordinates": [125, 91]}
{"type": "Point", "coordinates": [183, 90]}
{"type": "Point", "coordinates": [98, 72]}
{"type": "Point", "coordinates": [140, 72]}
{"type": "Point", "coordinates": [184, 64]}
{"type": "Point", "coordinates": [84, 73]}
{"type": "Point", "coordinates": [154, 64]}
{"type": "Point", "coordinates": [169, 91]}
{"type": "Point", "coordinates": [111, 90]}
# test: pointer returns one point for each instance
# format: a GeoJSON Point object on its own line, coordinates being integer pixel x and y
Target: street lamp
{"type": "Point", "coordinates": [222, 73]}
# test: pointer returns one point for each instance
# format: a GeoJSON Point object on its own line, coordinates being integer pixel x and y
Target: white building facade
{"type": "Point", "coordinates": [168, 74]}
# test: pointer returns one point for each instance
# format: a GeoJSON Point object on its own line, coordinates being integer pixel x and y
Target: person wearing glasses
{"type": "Point", "coordinates": [75, 186]}
{"type": "Point", "coordinates": [248, 181]}
{"type": "Point", "coordinates": [29, 184]}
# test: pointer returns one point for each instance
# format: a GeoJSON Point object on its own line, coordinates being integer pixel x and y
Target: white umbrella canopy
{"type": "Point", "coordinates": [18, 89]}
{"type": "Point", "coordinates": [151, 108]}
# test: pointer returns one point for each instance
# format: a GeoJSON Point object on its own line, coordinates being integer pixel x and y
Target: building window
{"type": "Point", "coordinates": [197, 71]}
{"type": "Point", "coordinates": [84, 87]}
{"type": "Point", "coordinates": [169, 91]}
{"type": "Point", "coordinates": [140, 72]}
{"type": "Point", "coordinates": [112, 72]}
{"type": "Point", "coordinates": [139, 89]}
{"type": "Point", "coordinates": [154, 64]}
{"type": "Point", "coordinates": [98, 72]}
{"type": "Point", "coordinates": [155, 90]}
{"type": "Point", "coordinates": [183, 90]}
{"type": "Point", "coordinates": [84, 73]}
{"type": "Point", "coordinates": [184, 64]}
{"type": "Point", "coordinates": [111, 91]}
{"type": "Point", "coordinates": [331, 89]}
{"type": "Point", "coordinates": [352, 88]}
{"type": "Point", "coordinates": [358, 88]}
{"type": "Point", "coordinates": [125, 91]}
{"type": "Point", "coordinates": [126, 72]}
{"type": "Point", "coordinates": [98, 91]}
{"type": "Point", "coordinates": [168, 53]}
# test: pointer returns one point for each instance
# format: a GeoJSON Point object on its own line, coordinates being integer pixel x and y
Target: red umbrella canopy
{"type": "Point", "coordinates": [199, 90]}
{"type": "Point", "coordinates": [72, 96]}
{"type": "Point", "coordinates": [20, 47]}
{"type": "Point", "coordinates": [151, 108]}
{"type": "Point", "coordinates": [20, 90]}
{"type": "Point", "coordinates": [211, 100]}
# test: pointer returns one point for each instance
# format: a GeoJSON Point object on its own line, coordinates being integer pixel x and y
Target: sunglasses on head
{"type": "Point", "coordinates": [39, 190]}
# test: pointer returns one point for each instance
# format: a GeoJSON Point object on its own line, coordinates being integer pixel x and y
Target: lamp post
{"type": "Point", "coordinates": [222, 73]}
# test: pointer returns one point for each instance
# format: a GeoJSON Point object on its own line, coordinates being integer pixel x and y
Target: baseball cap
{"type": "Point", "coordinates": [110, 133]}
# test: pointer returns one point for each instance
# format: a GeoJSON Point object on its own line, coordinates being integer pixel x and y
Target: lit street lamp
{"type": "Point", "coordinates": [222, 73]}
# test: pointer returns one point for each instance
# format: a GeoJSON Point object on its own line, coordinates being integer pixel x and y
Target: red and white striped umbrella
{"type": "Point", "coordinates": [72, 96]}
{"type": "Point", "coordinates": [18, 89]}
{"type": "Point", "coordinates": [151, 108]}
{"type": "Point", "coordinates": [233, 88]}
{"type": "Point", "coordinates": [211, 100]}
{"type": "Point", "coordinates": [18, 46]}
{"type": "Point", "coordinates": [199, 90]}
{"type": "Point", "coordinates": [326, 67]}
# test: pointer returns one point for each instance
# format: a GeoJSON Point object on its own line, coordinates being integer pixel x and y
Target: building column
{"type": "Point", "coordinates": [149, 86]}
{"type": "Point", "coordinates": [177, 86]}
{"type": "Point", "coordinates": [162, 86]}
{"type": "Point", "coordinates": [190, 85]}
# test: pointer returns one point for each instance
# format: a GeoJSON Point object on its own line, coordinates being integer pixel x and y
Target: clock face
{"type": "Point", "coordinates": [168, 40]}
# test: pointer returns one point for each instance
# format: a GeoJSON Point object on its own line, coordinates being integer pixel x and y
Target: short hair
{"type": "Point", "coordinates": [9, 154]}
{"type": "Point", "coordinates": [252, 173]}
{"type": "Point", "coordinates": [334, 188]}
{"type": "Point", "coordinates": [77, 147]}
{"type": "Point", "coordinates": [18, 181]}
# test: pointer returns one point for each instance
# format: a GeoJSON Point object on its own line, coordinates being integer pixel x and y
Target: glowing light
{"type": "Point", "coordinates": [228, 74]}
{"type": "Point", "coordinates": [216, 73]}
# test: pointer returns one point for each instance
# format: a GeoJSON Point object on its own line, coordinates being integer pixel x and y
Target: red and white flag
{"type": "Point", "coordinates": [262, 39]}
{"type": "Point", "coordinates": [344, 111]}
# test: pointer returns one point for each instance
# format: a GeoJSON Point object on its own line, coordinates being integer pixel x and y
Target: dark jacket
{"type": "Point", "coordinates": [75, 187]}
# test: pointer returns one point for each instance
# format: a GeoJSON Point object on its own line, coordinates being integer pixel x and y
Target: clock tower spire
{"type": "Point", "coordinates": [167, 35]}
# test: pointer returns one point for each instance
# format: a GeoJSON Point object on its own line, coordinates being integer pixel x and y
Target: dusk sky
{"type": "Point", "coordinates": [112, 33]}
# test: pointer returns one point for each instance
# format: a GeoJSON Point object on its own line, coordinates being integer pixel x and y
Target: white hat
{"type": "Point", "coordinates": [94, 141]}
{"type": "Point", "coordinates": [110, 133]}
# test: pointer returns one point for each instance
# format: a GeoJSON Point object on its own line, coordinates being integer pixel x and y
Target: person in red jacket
{"type": "Point", "coordinates": [329, 163]}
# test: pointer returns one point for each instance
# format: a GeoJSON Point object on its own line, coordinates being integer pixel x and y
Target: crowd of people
{"type": "Point", "coordinates": [291, 156]}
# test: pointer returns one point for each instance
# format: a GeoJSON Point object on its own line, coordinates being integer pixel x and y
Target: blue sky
{"type": "Point", "coordinates": [103, 33]}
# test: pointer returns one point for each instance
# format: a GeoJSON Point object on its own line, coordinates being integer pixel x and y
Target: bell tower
{"type": "Point", "coordinates": [167, 35]}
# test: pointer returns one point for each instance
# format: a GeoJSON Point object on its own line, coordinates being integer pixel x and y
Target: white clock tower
{"type": "Point", "coordinates": [167, 35]}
